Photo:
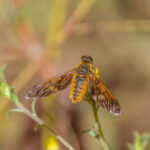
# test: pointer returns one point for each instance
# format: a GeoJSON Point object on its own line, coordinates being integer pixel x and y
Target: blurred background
{"type": "Point", "coordinates": [39, 39]}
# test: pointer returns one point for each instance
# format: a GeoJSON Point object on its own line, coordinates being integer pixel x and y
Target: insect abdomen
{"type": "Point", "coordinates": [79, 83]}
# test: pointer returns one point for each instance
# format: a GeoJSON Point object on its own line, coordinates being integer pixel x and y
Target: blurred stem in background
{"type": "Point", "coordinates": [77, 16]}
{"type": "Point", "coordinates": [58, 31]}
{"type": "Point", "coordinates": [57, 15]}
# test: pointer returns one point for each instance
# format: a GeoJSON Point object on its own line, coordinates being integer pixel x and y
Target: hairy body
{"type": "Point", "coordinates": [78, 86]}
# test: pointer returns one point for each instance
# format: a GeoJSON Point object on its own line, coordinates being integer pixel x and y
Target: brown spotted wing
{"type": "Point", "coordinates": [50, 86]}
{"type": "Point", "coordinates": [102, 95]}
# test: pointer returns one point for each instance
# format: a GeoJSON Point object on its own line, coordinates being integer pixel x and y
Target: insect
{"type": "Point", "coordinates": [81, 79]}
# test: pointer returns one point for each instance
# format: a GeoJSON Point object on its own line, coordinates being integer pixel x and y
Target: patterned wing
{"type": "Point", "coordinates": [102, 95]}
{"type": "Point", "coordinates": [50, 86]}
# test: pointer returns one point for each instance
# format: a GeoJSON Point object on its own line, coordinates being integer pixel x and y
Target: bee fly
{"type": "Point", "coordinates": [81, 79]}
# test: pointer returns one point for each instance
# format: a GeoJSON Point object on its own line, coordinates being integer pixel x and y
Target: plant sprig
{"type": "Point", "coordinates": [99, 133]}
{"type": "Point", "coordinates": [8, 92]}
{"type": "Point", "coordinates": [140, 141]}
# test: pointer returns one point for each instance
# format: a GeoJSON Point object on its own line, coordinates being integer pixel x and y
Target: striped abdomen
{"type": "Point", "coordinates": [79, 83]}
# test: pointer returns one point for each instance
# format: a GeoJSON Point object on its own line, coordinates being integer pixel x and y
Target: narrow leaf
{"type": "Point", "coordinates": [92, 133]}
{"type": "Point", "coordinates": [2, 69]}
{"type": "Point", "coordinates": [95, 126]}
{"type": "Point", "coordinates": [4, 90]}
{"type": "Point", "coordinates": [13, 110]}
{"type": "Point", "coordinates": [140, 141]}
{"type": "Point", "coordinates": [14, 97]}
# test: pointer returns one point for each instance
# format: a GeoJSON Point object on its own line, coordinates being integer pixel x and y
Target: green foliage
{"type": "Point", "coordinates": [5, 90]}
{"type": "Point", "coordinates": [140, 141]}
{"type": "Point", "coordinates": [13, 110]}
{"type": "Point", "coordinates": [2, 69]}
{"type": "Point", "coordinates": [99, 133]}
{"type": "Point", "coordinates": [92, 133]}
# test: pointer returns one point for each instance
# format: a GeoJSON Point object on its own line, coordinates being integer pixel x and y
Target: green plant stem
{"type": "Point", "coordinates": [33, 106]}
{"type": "Point", "coordinates": [33, 116]}
{"type": "Point", "coordinates": [95, 112]}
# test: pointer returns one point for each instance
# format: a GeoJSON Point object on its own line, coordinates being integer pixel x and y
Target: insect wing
{"type": "Point", "coordinates": [50, 86]}
{"type": "Point", "coordinates": [103, 96]}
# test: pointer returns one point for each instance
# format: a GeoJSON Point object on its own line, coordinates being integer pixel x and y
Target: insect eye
{"type": "Point", "coordinates": [83, 58]}
{"type": "Point", "coordinates": [90, 59]}
{"type": "Point", "coordinates": [87, 59]}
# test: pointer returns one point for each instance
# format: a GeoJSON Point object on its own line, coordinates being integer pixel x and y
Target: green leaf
{"type": "Point", "coordinates": [4, 90]}
{"type": "Point", "coordinates": [92, 133]}
{"type": "Point", "coordinates": [95, 126]}
{"type": "Point", "coordinates": [13, 110]}
{"type": "Point", "coordinates": [140, 141]}
{"type": "Point", "coordinates": [2, 69]}
{"type": "Point", "coordinates": [13, 96]}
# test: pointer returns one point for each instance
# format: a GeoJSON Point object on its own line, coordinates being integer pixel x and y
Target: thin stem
{"type": "Point", "coordinates": [95, 112]}
{"type": "Point", "coordinates": [33, 106]}
{"type": "Point", "coordinates": [41, 122]}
